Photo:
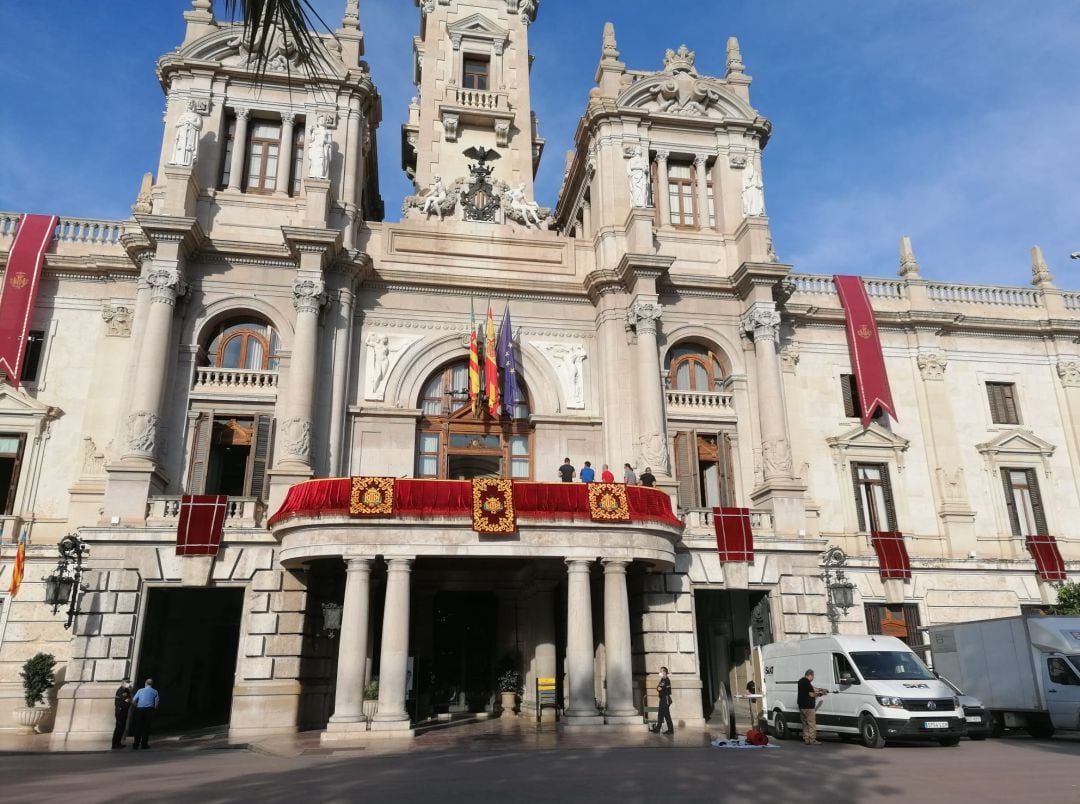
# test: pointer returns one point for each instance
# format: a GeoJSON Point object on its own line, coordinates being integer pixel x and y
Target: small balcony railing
{"type": "Point", "coordinates": [240, 512]}
{"type": "Point", "coordinates": [480, 99]}
{"type": "Point", "coordinates": [701, 402]}
{"type": "Point", "coordinates": [235, 381]}
{"type": "Point", "coordinates": [700, 520]}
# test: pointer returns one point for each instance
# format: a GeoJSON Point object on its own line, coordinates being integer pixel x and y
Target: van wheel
{"type": "Point", "coordinates": [949, 742]}
{"type": "Point", "coordinates": [870, 732]}
{"type": "Point", "coordinates": [1040, 728]}
{"type": "Point", "coordinates": [997, 726]}
{"type": "Point", "coordinates": [779, 726]}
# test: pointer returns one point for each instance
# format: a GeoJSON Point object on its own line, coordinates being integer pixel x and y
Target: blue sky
{"type": "Point", "coordinates": [956, 122]}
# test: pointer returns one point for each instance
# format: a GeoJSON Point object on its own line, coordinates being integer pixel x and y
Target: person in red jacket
{"type": "Point", "coordinates": [606, 476]}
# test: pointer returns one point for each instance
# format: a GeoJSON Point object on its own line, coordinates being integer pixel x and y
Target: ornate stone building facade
{"type": "Point", "coordinates": [256, 325]}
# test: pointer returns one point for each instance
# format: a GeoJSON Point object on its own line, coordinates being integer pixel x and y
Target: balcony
{"type": "Point", "coordinates": [480, 99]}
{"type": "Point", "coordinates": [699, 521]}
{"type": "Point", "coordinates": [241, 512]}
{"type": "Point", "coordinates": [711, 404]}
{"type": "Point", "coordinates": [222, 382]}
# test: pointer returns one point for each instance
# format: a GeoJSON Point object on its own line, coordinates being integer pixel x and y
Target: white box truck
{"type": "Point", "coordinates": [879, 690]}
{"type": "Point", "coordinates": [1026, 670]}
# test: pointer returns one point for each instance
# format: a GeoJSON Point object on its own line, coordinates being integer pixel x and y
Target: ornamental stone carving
{"type": "Point", "coordinates": [568, 361]}
{"type": "Point", "coordinates": [753, 191]}
{"type": "Point", "coordinates": [296, 438]}
{"type": "Point", "coordinates": [652, 453]}
{"type": "Point", "coordinates": [644, 316]}
{"type": "Point", "coordinates": [527, 11]}
{"type": "Point", "coordinates": [1068, 369]}
{"type": "Point", "coordinates": [518, 208]}
{"type": "Point", "coordinates": [763, 322]}
{"type": "Point", "coordinates": [776, 458]}
{"type": "Point", "coordinates": [166, 285]}
{"type": "Point", "coordinates": [318, 149]}
{"type": "Point", "coordinates": [789, 357]}
{"type": "Point", "coordinates": [117, 320]}
{"type": "Point", "coordinates": [383, 354]}
{"type": "Point", "coordinates": [142, 428]}
{"type": "Point", "coordinates": [308, 295]}
{"type": "Point", "coordinates": [93, 460]}
{"type": "Point", "coordinates": [932, 364]}
{"type": "Point", "coordinates": [637, 171]}
{"type": "Point", "coordinates": [186, 139]}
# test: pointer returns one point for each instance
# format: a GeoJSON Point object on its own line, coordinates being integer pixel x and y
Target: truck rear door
{"type": "Point", "coordinates": [1062, 693]}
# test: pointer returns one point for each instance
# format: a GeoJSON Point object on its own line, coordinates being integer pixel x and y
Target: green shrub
{"type": "Point", "coordinates": [37, 675]}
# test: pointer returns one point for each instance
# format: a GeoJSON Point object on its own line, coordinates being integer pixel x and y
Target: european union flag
{"type": "Point", "coordinates": [511, 392]}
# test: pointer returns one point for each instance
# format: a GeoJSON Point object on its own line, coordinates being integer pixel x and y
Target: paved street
{"type": "Point", "coordinates": [496, 763]}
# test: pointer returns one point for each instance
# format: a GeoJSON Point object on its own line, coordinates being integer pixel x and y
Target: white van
{"type": "Point", "coordinates": [878, 690]}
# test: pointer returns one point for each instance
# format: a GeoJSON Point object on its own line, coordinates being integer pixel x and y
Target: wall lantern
{"type": "Point", "coordinates": [64, 587]}
{"type": "Point", "coordinates": [331, 619]}
{"type": "Point", "coordinates": [839, 591]}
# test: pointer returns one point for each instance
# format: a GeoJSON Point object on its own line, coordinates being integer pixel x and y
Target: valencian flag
{"type": "Point", "coordinates": [474, 365]}
{"type": "Point", "coordinates": [491, 366]}
{"type": "Point", "coordinates": [511, 392]}
{"type": "Point", "coordinates": [20, 564]}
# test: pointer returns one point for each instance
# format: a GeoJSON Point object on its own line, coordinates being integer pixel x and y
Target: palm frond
{"type": "Point", "coordinates": [296, 19]}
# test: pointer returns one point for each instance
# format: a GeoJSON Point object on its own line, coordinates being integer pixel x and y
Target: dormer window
{"type": "Point", "coordinates": [476, 73]}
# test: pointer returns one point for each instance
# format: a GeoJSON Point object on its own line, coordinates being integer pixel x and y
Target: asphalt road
{"type": "Point", "coordinates": [1009, 770]}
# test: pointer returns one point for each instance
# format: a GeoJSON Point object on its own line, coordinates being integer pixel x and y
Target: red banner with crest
{"type": "Point", "coordinates": [867, 359]}
{"type": "Point", "coordinates": [21, 280]}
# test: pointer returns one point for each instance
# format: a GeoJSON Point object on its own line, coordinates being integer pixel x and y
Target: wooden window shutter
{"type": "Point", "coordinates": [259, 462]}
{"type": "Point", "coordinates": [8, 507]}
{"type": "Point", "coordinates": [1002, 398]}
{"type": "Point", "coordinates": [685, 469]}
{"type": "Point", "coordinates": [850, 391]}
{"type": "Point", "coordinates": [873, 618]}
{"type": "Point", "coordinates": [886, 488]}
{"type": "Point", "coordinates": [727, 470]}
{"type": "Point", "coordinates": [1036, 504]}
{"type": "Point", "coordinates": [203, 436]}
{"type": "Point", "coordinates": [1010, 503]}
{"type": "Point", "coordinates": [858, 496]}
{"type": "Point", "coordinates": [911, 619]}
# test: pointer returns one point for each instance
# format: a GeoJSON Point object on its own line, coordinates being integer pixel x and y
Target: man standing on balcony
{"type": "Point", "coordinates": [588, 474]}
{"type": "Point", "coordinates": [606, 476]}
{"type": "Point", "coordinates": [648, 478]}
{"type": "Point", "coordinates": [567, 471]}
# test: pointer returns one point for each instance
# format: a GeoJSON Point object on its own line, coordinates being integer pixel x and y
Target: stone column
{"type": "Point", "coordinates": [285, 153]}
{"type": "Point", "coordinates": [763, 322]}
{"type": "Point", "coordinates": [338, 405]}
{"type": "Point", "coordinates": [586, 221]}
{"type": "Point", "coordinates": [354, 153]}
{"type": "Point", "coordinates": [701, 177]}
{"type": "Point", "coordinates": [662, 201]}
{"type": "Point", "coordinates": [352, 649]}
{"type": "Point", "coordinates": [239, 150]}
{"type": "Point", "coordinates": [651, 437]}
{"type": "Point", "coordinates": [579, 645]}
{"type": "Point", "coordinates": [394, 657]}
{"type": "Point", "coordinates": [166, 283]}
{"type": "Point", "coordinates": [620, 673]}
{"type": "Point", "coordinates": [309, 294]}
{"type": "Point", "coordinates": [543, 627]}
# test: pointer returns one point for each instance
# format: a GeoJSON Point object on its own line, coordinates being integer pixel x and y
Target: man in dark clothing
{"type": "Point", "coordinates": [567, 471]}
{"type": "Point", "coordinates": [663, 689]}
{"type": "Point", "coordinates": [123, 705]}
{"type": "Point", "coordinates": [808, 695]}
{"type": "Point", "coordinates": [648, 478]}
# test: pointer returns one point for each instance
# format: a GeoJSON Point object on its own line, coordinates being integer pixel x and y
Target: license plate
{"type": "Point", "coordinates": [970, 719]}
{"type": "Point", "coordinates": [936, 724]}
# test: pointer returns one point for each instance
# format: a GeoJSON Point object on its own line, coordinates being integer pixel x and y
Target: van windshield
{"type": "Point", "coordinates": [891, 665]}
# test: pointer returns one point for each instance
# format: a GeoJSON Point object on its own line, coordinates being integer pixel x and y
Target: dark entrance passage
{"type": "Point", "coordinates": [730, 624]}
{"type": "Point", "coordinates": [189, 645]}
{"type": "Point", "coordinates": [463, 660]}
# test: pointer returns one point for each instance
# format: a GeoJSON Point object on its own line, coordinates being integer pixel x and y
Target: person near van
{"type": "Point", "coordinates": [122, 706]}
{"type": "Point", "coordinates": [808, 695]}
{"type": "Point", "coordinates": [567, 471]}
{"type": "Point", "coordinates": [588, 474]}
{"type": "Point", "coordinates": [145, 701]}
{"type": "Point", "coordinates": [663, 690]}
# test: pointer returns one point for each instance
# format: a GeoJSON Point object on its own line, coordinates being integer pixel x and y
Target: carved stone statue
{"type": "Point", "coordinates": [753, 191]}
{"type": "Point", "coordinates": [568, 360]}
{"type": "Point", "coordinates": [380, 359]}
{"type": "Point", "coordinates": [142, 432]}
{"type": "Point", "coordinates": [298, 438]}
{"type": "Point", "coordinates": [652, 452]}
{"type": "Point", "coordinates": [318, 149]}
{"type": "Point", "coordinates": [433, 198]}
{"type": "Point", "coordinates": [520, 208]}
{"type": "Point", "coordinates": [93, 461]}
{"type": "Point", "coordinates": [186, 140]}
{"type": "Point", "coordinates": [637, 169]}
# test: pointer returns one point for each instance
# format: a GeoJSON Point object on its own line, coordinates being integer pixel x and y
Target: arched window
{"type": "Point", "coordinates": [694, 368]}
{"type": "Point", "coordinates": [244, 344]}
{"type": "Point", "coordinates": [453, 443]}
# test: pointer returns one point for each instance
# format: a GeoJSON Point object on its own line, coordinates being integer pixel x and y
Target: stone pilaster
{"type": "Point", "coordinates": [662, 202]}
{"type": "Point", "coordinates": [281, 183]}
{"type": "Point", "coordinates": [652, 451]}
{"type": "Point", "coordinates": [581, 709]}
{"type": "Point", "coordinates": [701, 174]}
{"type": "Point", "coordinates": [239, 148]}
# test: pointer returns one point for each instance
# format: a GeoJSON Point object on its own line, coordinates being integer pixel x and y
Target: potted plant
{"type": "Point", "coordinates": [509, 683]}
{"type": "Point", "coordinates": [371, 698]}
{"type": "Point", "coordinates": [37, 677]}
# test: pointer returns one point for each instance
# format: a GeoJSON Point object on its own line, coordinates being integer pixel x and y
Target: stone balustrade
{"type": "Point", "coordinates": [72, 236]}
{"type": "Point", "coordinates": [982, 294]}
{"type": "Point", "coordinates": [700, 520]}
{"type": "Point", "coordinates": [241, 512]}
{"type": "Point", "coordinates": [700, 402]}
{"type": "Point", "coordinates": [938, 292]}
{"type": "Point", "coordinates": [480, 99]}
{"type": "Point", "coordinates": [235, 381]}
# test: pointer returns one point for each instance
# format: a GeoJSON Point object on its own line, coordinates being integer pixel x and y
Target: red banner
{"type": "Point", "coordinates": [21, 279]}
{"type": "Point", "coordinates": [493, 506]}
{"type": "Point", "coordinates": [608, 502]}
{"type": "Point", "coordinates": [867, 360]}
{"type": "Point", "coordinates": [893, 560]}
{"type": "Point", "coordinates": [734, 538]}
{"type": "Point", "coordinates": [1047, 557]}
{"type": "Point", "coordinates": [198, 533]}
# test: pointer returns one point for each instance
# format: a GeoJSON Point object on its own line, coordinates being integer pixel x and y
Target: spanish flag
{"type": "Point", "coordinates": [491, 367]}
{"type": "Point", "coordinates": [474, 368]}
{"type": "Point", "coordinates": [20, 564]}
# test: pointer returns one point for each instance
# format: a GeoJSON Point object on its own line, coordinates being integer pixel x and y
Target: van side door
{"type": "Point", "coordinates": [841, 705]}
{"type": "Point", "coordinates": [1062, 693]}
